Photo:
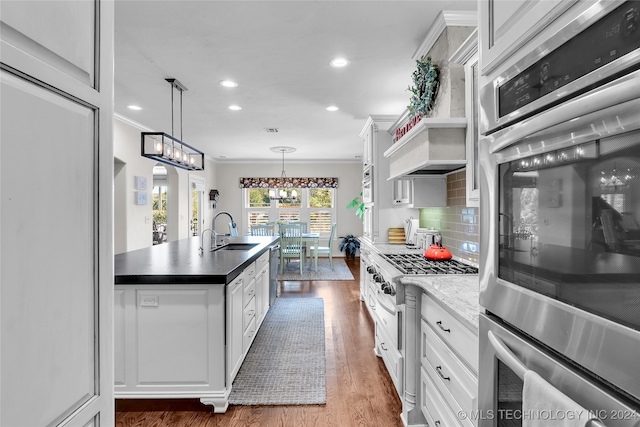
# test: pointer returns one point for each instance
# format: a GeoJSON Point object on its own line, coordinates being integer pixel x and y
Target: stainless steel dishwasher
{"type": "Point", "coordinates": [274, 261]}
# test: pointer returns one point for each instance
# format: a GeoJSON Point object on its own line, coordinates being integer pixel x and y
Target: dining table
{"type": "Point", "coordinates": [314, 240]}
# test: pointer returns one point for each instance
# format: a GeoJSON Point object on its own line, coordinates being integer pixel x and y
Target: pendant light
{"type": "Point", "coordinates": [166, 148]}
{"type": "Point", "coordinates": [284, 191]}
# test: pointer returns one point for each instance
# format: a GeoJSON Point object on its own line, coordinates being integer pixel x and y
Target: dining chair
{"type": "Point", "coordinates": [304, 224]}
{"type": "Point", "coordinates": [328, 249]}
{"type": "Point", "coordinates": [291, 244]}
{"type": "Point", "coordinates": [262, 230]}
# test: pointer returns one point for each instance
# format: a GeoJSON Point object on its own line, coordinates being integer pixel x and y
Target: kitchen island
{"type": "Point", "coordinates": [185, 319]}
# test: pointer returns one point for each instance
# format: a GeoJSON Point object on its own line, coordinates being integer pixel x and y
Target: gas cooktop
{"type": "Point", "coordinates": [418, 264]}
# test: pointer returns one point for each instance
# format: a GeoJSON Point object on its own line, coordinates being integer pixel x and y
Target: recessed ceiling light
{"type": "Point", "coordinates": [134, 107]}
{"type": "Point", "coordinates": [339, 62]}
{"type": "Point", "coordinates": [228, 83]}
{"type": "Point", "coordinates": [332, 108]}
{"type": "Point", "coordinates": [235, 107]}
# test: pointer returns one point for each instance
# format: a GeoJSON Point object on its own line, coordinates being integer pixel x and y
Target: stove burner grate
{"type": "Point", "coordinates": [416, 264]}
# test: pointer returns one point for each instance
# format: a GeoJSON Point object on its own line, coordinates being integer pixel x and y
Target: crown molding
{"type": "Point", "coordinates": [467, 49]}
{"type": "Point", "coordinates": [446, 18]}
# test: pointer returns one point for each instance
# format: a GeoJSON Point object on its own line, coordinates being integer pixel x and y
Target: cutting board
{"type": "Point", "coordinates": [396, 236]}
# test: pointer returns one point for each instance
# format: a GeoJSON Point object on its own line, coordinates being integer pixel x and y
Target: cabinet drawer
{"type": "Point", "coordinates": [249, 313]}
{"type": "Point", "coordinates": [262, 261]}
{"type": "Point", "coordinates": [371, 300]}
{"type": "Point", "coordinates": [457, 336]}
{"type": "Point", "coordinates": [250, 272]}
{"type": "Point", "coordinates": [391, 357]}
{"type": "Point", "coordinates": [388, 318]}
{"type": "Point", "coordinates": [455, 381]}
{"type": "Point", "coordinates": [249, 333]}
{"type": "Point", "coordinates": [249, 291]}
{"type": "Point", "coordinates": [433, 406]}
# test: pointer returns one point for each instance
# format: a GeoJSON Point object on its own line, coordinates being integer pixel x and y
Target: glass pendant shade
{"type": "Point", "coordinates": [167, 149]}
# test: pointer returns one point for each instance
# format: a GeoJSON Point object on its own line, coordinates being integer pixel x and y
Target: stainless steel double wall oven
{"type": "Point", "coordinates": [560, 220]}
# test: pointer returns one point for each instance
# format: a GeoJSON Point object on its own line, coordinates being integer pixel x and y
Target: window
{"type": "Point", "coordinates": [315, 206]}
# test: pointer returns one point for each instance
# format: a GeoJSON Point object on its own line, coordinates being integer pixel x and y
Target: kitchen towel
{"type": "Point", "coordinates": [543, 405]}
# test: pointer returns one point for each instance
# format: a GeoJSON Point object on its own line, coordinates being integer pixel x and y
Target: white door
{"type": "Point", "coordinates": [196, 205]}
{"type": "Point", "coordinates": [56, 213]}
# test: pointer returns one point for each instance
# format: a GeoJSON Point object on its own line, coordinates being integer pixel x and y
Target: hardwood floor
{"type": "Point", "coordinates": [359, 389]}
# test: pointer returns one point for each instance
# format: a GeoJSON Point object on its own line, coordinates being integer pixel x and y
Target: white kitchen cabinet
{"type": "Point", "coordinates": [367, 147]}
{"type": "Point", "coordinates": [467, 56]}
{"type": "Point", "coordinates": [235, 314]}
{"type": "Point", "coordinates": [155, 323]}
{"type": "Point", "coordinates": [506, 25]}
{"type": "Point", "coordinates": [449, 366]}
{"type": "Point", "coordinates": [391, 356]}
{"type": "Point", "coordinates": [381, 213]}
{"type": "Point", "coordinates": [402, 192]}
{"type": "Point", "coordinates": [262, 287]}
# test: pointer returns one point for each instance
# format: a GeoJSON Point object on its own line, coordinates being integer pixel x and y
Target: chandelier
{"type": "Point", "coordinates": [170, 150]}
{"type": "Point", "coordinates": [284, 191]}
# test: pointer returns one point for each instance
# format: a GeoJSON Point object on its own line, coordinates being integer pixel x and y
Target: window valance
{"type": "Point", "coordinates": [288, 182]}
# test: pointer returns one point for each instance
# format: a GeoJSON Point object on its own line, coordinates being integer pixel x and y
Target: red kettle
{"type": "Point", "coordinates": [437, 252]}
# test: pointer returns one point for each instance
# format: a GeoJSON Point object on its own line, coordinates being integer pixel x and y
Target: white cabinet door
{"type": "Point", "coordinates": [506, 25]}
{"type": "Point", "coordinates": [402, 192]}
{"type": "Point", "coordinates": [56, 191]}
{"type": "Point", "coordinates": [235, 315]}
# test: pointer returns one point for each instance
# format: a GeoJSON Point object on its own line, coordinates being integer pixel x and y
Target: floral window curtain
{"type": "Point", "coordinates": [289, 183]}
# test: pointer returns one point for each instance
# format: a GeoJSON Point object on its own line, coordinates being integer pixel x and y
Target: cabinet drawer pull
{"type": "Point", "coordinates": [439, 371]}
{"type": "Point", "coordinates": [437, 423]}
{"type": "Point", "coordinates": [439, 323]}
{"type": "Point", "coordinates": [251, 313]}
{"type": "Point", "coordinates": [382, 346]}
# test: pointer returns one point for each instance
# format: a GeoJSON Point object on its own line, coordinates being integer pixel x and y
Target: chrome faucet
{"type": "Point", "coordinates": [202, 238]}
{"type": "Point", "coordinates": [213, 226]}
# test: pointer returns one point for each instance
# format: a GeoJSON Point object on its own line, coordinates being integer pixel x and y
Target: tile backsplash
{"type": "Point", "coordinates": [457, 223]}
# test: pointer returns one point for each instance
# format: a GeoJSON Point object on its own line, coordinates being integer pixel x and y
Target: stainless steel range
{"type": "Point", "coordinates": [385, 297]}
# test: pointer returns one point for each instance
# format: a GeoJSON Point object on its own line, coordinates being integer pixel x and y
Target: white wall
{"type": "Point", "coordinates": [137, 220]}
{"type": "Point", "coordinates": [349, 185]}
{"type": "Point", "coordinates": [133, 223]}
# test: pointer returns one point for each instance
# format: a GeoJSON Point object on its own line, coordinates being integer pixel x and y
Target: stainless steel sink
{"type": "Point", "coordinates": [237, 247]}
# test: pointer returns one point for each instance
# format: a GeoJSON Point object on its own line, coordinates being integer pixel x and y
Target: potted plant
{"type": "Point", "coordinates": [350, 245]}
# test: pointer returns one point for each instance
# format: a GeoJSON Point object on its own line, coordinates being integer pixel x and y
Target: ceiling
{"type": "Point", "coordinates": [279, 53]}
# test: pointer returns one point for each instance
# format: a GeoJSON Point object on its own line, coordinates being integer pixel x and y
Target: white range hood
{"type": "Point", "coordinates": [434, 146]}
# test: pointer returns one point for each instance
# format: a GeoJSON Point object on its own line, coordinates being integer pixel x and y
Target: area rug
{"type": "Point", "coordinates": [340, 270]}
{"type": "Point", "coordinates": [286, 362]}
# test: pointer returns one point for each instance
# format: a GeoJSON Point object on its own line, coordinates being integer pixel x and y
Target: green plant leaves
{"type": "Point", "coordinates": [425, 79]}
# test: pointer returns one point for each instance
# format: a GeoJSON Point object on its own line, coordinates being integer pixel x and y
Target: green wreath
{"type": "Point", "coordinates": [425, 79]}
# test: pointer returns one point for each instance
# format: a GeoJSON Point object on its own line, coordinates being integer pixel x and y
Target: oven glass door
{"type": "Point", "coordinates": [569, 226]}
{"type": "Point", "coordinates": [506, 354]}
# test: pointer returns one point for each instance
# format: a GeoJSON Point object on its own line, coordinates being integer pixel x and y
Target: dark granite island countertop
{"type": "Point", "coordinates": [181, 262]}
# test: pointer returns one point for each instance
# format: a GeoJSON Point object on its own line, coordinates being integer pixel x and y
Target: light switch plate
{"type": "Point", "coordinates": [141, 197]}
{"type": "Point", "coordinates": [141, 182]}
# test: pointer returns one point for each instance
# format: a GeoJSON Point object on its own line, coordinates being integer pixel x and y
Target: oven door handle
{"type": "Point", "coordinates": [518, 367]}
{"type": "Point", "coordinates": [507, 356]}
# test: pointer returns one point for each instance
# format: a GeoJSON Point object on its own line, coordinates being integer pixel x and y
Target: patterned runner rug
{"type": "Point", "coordinates": [286, 362]}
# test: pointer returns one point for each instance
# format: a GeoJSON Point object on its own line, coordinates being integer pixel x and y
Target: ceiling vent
{"type": "Point", "coordinates": [271, 130]}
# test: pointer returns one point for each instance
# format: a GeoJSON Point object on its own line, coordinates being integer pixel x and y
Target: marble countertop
{"type": "Point", "coordinates": [458, 294]}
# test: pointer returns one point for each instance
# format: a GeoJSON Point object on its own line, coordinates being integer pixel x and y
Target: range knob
{"type": "Point", "coordinates": [389, 290]}
{"type": "Point", "coordinates": [371, 270]}
{"type": "Point", "coordinates": [378, 278]}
